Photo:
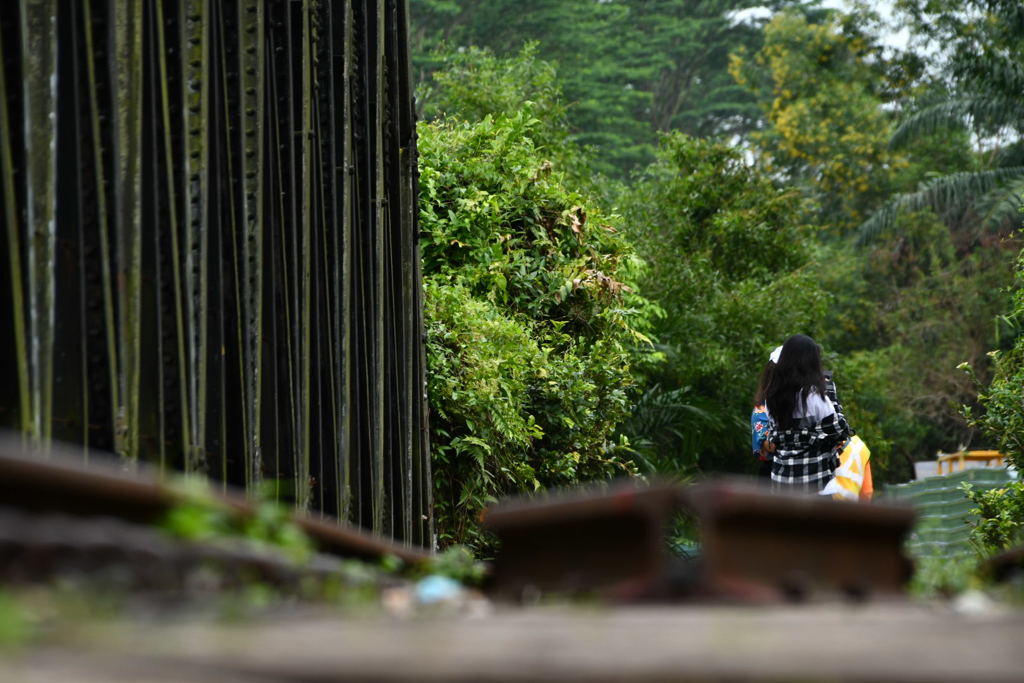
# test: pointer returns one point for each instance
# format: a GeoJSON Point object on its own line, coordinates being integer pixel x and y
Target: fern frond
{"type": "Point", "coordinates": [1002, 206]}
{"type": "Point", "coordinates": [1009, 155]}
{"type": "Point", "coordinates": [994, 73]}
{"type": "Point", "coordinates": [669, 427]}
{"type": "Point", "coordinates": [958, 112]}
{"type": "Point", "coordinates": [954, 191]}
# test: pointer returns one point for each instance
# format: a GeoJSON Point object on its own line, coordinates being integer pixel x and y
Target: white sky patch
{"type": "Point", "coordinates": [892, 36]}
{"type": "Point", "coordinates": [751, 14]}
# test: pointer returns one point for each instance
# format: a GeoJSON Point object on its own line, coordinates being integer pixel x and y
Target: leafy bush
{"type": "Point", "coordinates": [1002, 402]}
{"type": "Point", "coordinates": [533, 324]}
{"type": "Point", "coordinates": [666, 427]}
{"type": "Point", "coordinates": [475, 84]}
{"type": "Point", "coordinates": [201, 516]}
{"type": "Point", "coordinates": [1000, 512]}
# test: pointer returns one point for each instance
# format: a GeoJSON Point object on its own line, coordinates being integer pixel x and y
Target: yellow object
{"type": "Point", "coordinates": [962, 457]}
{"type": "Point", "coordinates": [849, 476]}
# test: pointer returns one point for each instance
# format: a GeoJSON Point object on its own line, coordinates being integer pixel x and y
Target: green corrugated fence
{"type": "Point", "coordinates": [943, 510]}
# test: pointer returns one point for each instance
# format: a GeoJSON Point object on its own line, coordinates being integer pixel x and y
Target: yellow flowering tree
{"type": "Point", "coordinates": [820, 89]}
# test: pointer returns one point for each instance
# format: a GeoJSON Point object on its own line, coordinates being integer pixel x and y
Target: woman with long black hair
{"type": "Point", "coordinates": [806, 422]}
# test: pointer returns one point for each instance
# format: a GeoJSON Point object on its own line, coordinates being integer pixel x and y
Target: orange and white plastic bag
{"type": "Point", "coordinates": [848, 480]}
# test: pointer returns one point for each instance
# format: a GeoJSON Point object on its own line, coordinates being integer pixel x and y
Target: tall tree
{"type": "Point", "coordinates": [984, 40]}
{"type": "Point", "coordinates": [631, 68]}
{"type": "Point", "coordinates": [822, 87]}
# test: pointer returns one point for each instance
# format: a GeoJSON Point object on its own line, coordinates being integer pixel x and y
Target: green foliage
{"type": "Point", "coordinates": [683, 535]}
{"type": "Point", "coordinates": [632, 68]}
{"type": "Point", "coordinates": [1002, 402]}
{"type": "Point", "coordinates": [271, 524]}
{"type": "Point", "coordinates": [15, 626]}
{"type": "Point", "coordinates": [474, 83]}
{"type": "Point", "coordinates": [727, 256]}
{"type": "Point", "coordinates": [607, 108]}
{"type": "Point", "coordinates": [532, 323]}
{"type": "Point", "coordinates": [669, 429]}
{"type": "Point", "coordinates": [202, 517]}
{"type": "Point", "coordinates": [456, 562]}
{"type": "Point", "coordinates": [984, 41]}
{"type": "Point", "coordinates": [1000, 524]}
{"type": "Point", "coordinates": [864, 389]}
{"type": "Point", "coordinates": [943, 577]}
{"type": "Point", "coordinates": [820, 89]}
{"type": "Point", "coordinates": [480, 364]}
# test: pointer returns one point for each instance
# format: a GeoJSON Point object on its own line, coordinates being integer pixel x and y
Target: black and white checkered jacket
{"type": "Point", "coordinates": [807, 455]}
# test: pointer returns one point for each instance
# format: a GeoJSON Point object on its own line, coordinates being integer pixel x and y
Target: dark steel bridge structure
{"type": "Point", "coordinates": [208, 252]}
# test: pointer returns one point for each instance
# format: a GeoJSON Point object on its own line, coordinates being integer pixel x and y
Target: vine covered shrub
{"type": "Point", "coordinates": [1000, 513]}
{"type": "Point", "coordinates": [1002, 401]}
{"type": "Point", "coordinates": [1003, 404]}
{"type": "Point", "coordinates": [532, 325]}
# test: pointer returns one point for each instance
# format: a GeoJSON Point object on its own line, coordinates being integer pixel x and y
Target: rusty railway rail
{"type": "Point", "coordinates": [757, 546]}
{"type": "Point", "coordinates": [759, 542]}
{"type": "Point", "coordinates": [60, 483]}
{"type": "Point", "coordinates": [113, 556]}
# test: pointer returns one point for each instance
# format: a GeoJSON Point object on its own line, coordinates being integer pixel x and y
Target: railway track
{"type": "Point", "coordinates": [59, 514]}
{"type": "Point", "coordinates": [756, 546]}
{"type": "Point", "coordinates": [63, 520]}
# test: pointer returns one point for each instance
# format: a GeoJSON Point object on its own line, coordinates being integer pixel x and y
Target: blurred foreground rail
{"type": "Point", "coordinates": [756, 546]}
{"type": "Point", "coordinates": [900, 643]}
{"type": "Point", "coordinates": [59, 510]}
{"type": "Point", "coordinates": [141, 565]}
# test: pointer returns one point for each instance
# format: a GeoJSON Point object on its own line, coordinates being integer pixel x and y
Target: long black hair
{"type": "Point", "coordinates": [763, 381]}
{"type": "Point", "coordinates": [797, 373]}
